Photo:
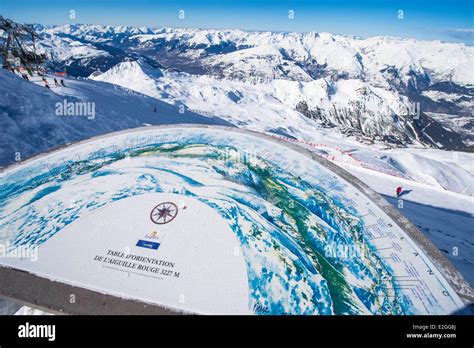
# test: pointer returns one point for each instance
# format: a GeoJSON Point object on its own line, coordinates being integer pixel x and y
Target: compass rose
{"type": "Point", "coordinates": [164, 213]}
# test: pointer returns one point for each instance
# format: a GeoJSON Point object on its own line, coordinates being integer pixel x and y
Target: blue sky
{"type": "Point", "coordinates": [444, 20]}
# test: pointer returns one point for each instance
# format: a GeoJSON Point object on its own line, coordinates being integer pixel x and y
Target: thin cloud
{"type": "Point", "coordinates": [464, 34]}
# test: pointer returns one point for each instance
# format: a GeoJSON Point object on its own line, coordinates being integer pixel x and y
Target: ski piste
{"type": "Point", "coordinates": [261, 226]}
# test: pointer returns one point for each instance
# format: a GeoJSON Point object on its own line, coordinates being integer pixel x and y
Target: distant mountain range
{"type": "Point", "coordinates": [365, 88]}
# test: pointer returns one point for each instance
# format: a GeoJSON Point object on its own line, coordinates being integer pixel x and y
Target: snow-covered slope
{"type": "Point", "coordinates": [30, 125]}
{"type": "Point", "coordinates": [265, 108]}
{"type": "Point", "coordinates": [439, 60]}
{"type": "Point", "coordinates": [446, 218]}
{"type": "Point", "coordinates": [142, 76]}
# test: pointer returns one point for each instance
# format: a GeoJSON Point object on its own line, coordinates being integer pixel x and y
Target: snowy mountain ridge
{"type": "Point", "coordinates": [356, 107]}
{"type": "Point", "coordinates": [357, 56]}
{"type": "Point", "coordinates": [364, 87]}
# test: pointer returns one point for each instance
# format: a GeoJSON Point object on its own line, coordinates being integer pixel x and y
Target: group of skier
{"type": "Point", "coordinates": [56, 83]}
{"type": "Point", "coordinates": [25, 76]}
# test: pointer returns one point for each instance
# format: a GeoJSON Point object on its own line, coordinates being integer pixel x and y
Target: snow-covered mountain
{"type": "Point", "coordinates": [83, 53]}
{"type": "Point", "coordinates": [313, 54]}
{"type": "Point", "coordinates": [363, 87]}
{"type": "Point", "coordinates": [353, 106]}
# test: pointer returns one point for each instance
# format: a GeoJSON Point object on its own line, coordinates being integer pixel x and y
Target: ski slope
{"type": "Point", "coordinates": [446, 218]}
{"type": "Point", "coordinates": [31, 125]}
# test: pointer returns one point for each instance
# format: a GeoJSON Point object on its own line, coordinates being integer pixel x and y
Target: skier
{"type": "Point", "coordinates": [154, 109]}
{"type": "Point", "coordinates": [399, 191]}
{"type": "Point", "coordinates": [56, 83]}
{"type": "Point", "coordinates": [62, 83]}
{"type": "Point", "coordinates": [45, 83]}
